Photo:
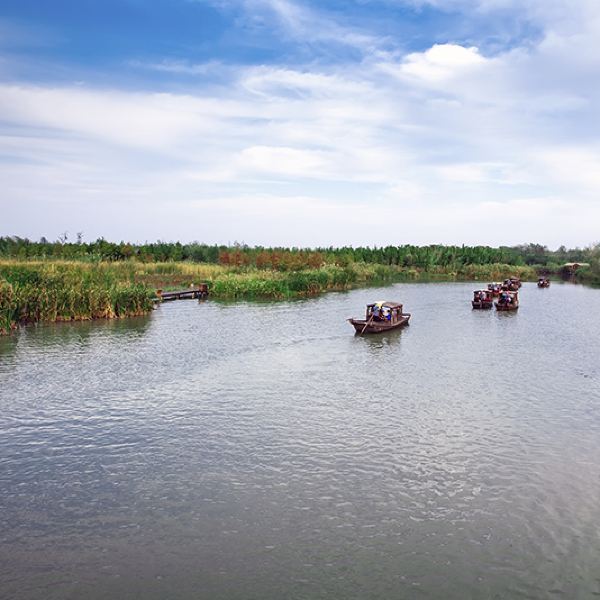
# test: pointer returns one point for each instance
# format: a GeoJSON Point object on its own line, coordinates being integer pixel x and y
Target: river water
{"type": "Point", "coordinates": [263, 451]}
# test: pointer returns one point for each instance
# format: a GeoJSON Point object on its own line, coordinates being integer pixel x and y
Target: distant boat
{"type": "Point", "coordinates": [495, 288]}
{"type": "Point", "coordinates": [508, 301]}
{"type": "Point", "coordinates": [512, 284]}
{"type": "Point", "coordinates": [381, 316]}
{"type": "Point", "coordinates": [543, 282]}
{"type": "Point", "coordinates": [482, 299]}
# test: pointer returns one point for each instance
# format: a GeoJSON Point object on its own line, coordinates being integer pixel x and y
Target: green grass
{"type": "Point", "coordinates": [256, 283]}
{"type": "Point", "coordinates": [33, 291]}
{"type": "Point", "coordinates": [490, 272]}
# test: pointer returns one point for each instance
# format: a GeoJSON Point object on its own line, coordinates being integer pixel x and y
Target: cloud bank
{"type": "Point", "coordinates": [445, 144]}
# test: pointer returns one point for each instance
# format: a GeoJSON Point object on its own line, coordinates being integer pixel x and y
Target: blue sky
{"type": "Point", "coordinates": [301, 123]}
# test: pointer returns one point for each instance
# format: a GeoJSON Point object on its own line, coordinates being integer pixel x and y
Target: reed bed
{"type": "Point", "coordinates": [488, 272]}
{"type": "Point", "coordinates": [32, 291]}
{"type": "Point", "coordinates": [276, 284]}
{"type": "Point", "coordinates": [39, 291]}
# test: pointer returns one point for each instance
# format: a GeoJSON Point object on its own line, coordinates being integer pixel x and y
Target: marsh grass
{"type": "Point", "coordinates": [40, 291]}
{"type": "Point", "coordinates": [260, 283]}
{"type": "Point", "coordinates": [488, 272]}
{"type": "Point", "coordinates": [32, 291]}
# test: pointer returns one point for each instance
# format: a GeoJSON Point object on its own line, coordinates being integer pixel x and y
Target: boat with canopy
{"type": "Point", "coordinates": [508, 301]}
{"type": "Point", "coordinates": [381, 316]}
{"type": "Point", "coordinates": [482, 299]}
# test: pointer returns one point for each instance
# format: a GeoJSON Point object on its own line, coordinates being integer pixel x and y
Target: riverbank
{"type": "Point", "coordinates": [249, 282]}
{"type": "Point", "coordinates": [55, 291]}
{"type": "Point", "coordinates": [589, 275]}
{"type": "Point", "coordinates": [32, 291]}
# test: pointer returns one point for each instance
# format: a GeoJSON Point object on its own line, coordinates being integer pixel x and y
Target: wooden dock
{"type": "Point", "coordinates": [196, 292]}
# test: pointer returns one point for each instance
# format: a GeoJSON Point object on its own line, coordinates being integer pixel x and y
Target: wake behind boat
{"type": "Point", "coordinates": [381, 316]}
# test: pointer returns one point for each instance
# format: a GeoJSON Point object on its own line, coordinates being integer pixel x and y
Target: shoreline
{"type": "Point", "coordinates": [63, 291]}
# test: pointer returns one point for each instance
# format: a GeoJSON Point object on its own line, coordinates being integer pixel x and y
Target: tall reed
{"type": "Point", "coordinates": [63, 292]}
{"type": "Point", "coordinates": [32, 291]}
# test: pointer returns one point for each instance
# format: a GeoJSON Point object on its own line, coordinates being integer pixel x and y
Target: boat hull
{"type": "Point", "coordinates": [504, 307]}
{"type": "Point", "coordinates": [482, 305]}
{"type": "Point", "coordinates": [363, 326]}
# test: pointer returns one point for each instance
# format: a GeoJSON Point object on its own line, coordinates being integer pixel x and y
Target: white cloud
{"type": "Point", "coordinates": [441, 63]}
{"type": "Point", "coordinates": [138, 120]}
{"type": "Point", "coordinates": [576, 167]}
{"type": "Point", "coordinates": [479, 173]}
{"type": "Point", "coordinates": [306, 24]}
{"type": "Point", "coordinates": [283, 161]}
{"type": "Point", "coordinates": [270, 82]}
{"type": "Point", "coordinates": [447, 145]}
{"type": "Point", "coordinates": [180, 67]}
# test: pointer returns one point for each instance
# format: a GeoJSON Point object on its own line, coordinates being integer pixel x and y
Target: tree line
{"type": "Point", "coordinates": [286, 259]}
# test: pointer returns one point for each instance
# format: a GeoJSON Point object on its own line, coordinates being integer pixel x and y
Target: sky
{"type": "Point", "coordinates": [301, 123]}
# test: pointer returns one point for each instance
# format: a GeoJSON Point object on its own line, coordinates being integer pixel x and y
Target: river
{"type": "Point", "coordinates": [263, 451]}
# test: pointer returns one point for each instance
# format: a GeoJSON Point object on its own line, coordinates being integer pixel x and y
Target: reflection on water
{"type": "Point", "coordinates": [48, 335]}
{"type": "Point", "coordinates": [256, 450]}
{"type": "Point", "coordinates": [8, 346]}
{"type": "Point", "coordinates": [380, 341]}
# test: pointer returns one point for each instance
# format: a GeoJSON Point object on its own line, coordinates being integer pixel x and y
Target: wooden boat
{"type": "Point", "coordinates": [381, 316]}
{"type": "Point", "coordinates": [543, 282]}
{"type": "Point", "coordinates": [495, 288]}
{"type": "Point", "coordinates": [511, 285]}
{"type": "Point", "coordinates": [482, 299]}
{"type": "Point", "coordinates": [507, 301]}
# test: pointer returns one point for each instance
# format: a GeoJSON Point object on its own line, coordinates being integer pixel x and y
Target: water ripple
{"type": "Point", "coordinates": [262, 451]}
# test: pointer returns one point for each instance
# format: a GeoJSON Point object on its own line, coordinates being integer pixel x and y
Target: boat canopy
{"type": "Point", "coordinates": [385, 304]}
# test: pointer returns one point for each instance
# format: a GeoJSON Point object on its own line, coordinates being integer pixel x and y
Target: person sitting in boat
{"type": "Point", "coordinates": [380, 311]}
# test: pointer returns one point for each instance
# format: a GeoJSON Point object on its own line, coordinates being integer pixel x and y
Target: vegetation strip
{"type": "Point", "coordinates": [32, 291]}
{"type": "Point", "coordinates": [61, 281]}
{"type": "Point", "coordinates": [405, 256]}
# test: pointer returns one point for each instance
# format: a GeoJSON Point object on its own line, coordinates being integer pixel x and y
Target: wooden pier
{"type": "Point", "coordinates": [194, 292]}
